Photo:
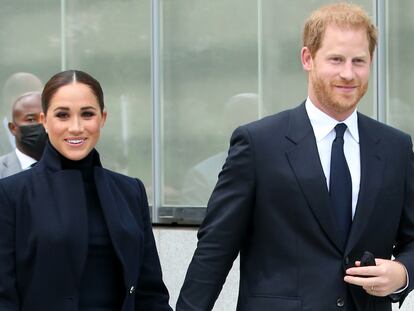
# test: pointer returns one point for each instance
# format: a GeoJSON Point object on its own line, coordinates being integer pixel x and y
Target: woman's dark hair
{"type": "Point", "coordinates": [67, 77]}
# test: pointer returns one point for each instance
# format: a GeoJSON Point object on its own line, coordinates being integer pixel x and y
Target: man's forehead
{"type": "Point", "coordinates": [27, 106]}
{"type": "Point", "coordinates": [338, 35]}
{"type": "Point", "coordinates": [28, 102]}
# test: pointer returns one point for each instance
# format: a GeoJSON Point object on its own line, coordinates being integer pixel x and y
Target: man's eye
{"type": "Point", "coordinates": [359, 61]}
{"type": "Point", "coordinates": [336, 59]}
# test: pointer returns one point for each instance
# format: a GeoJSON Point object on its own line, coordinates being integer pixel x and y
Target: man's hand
{"type": "Point", "coordinates": [387, 277]}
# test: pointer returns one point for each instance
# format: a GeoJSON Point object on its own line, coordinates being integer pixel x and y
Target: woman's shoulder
{"type": "Point", "coordinates": [16, 179]}
{"type": "Point", "coordinates": [123, 179]}
{"type": "Point", "coordinates": [13, 185]}
{"type": "Point", "coordinates": [130, 187]}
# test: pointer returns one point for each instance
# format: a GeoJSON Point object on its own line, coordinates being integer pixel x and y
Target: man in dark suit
{"type": "Point", "coordinates": [29, 135]}
{"type": "Point", "coordinates": [304, 193]}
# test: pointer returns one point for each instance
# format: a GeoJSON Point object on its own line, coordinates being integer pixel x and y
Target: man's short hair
{"type": "Point", "coordinates": [342, 14]}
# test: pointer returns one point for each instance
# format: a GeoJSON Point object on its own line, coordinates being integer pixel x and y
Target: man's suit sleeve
{"type": "Point", "coordinates": [151, 293]}
{"type": "Point", "coordinates": [404, 248]}
{"type": "Point", "coordinates": [8, 292]}
{"type": "Point", "coordinates": [224, 229]}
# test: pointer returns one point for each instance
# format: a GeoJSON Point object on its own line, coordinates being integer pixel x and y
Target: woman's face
{"type": "Point", "coordinates": [74, 120]}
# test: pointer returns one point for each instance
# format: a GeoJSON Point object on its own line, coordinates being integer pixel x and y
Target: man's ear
{"type": "Point", "coordinates": [12, 128]}
{"type": "Point", "coordinates": [306, 57]}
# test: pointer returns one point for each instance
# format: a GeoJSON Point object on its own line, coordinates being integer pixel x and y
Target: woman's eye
{"type": "Point", "coordinates": [62, 115]}
{"type": "Point", "coordinates": [88, 114]}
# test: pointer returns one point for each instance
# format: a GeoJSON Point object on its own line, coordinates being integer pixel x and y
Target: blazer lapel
{"type": "Point", "coordinates": [61, 193]}
{"type": "Point", "coordinates": [304, 160]}
{"type": "Point", "coordinates": [125, 234]}
{"type": "Point", "coordinates": [372, 168]}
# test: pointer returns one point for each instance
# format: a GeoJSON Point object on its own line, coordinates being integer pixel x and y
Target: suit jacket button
{"type": "Point", "coordinates": [132, 290]}
{"type": "Point", "coordinates": [340, 302]}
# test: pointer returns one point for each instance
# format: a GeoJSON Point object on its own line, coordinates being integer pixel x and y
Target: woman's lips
{"type": "Point", "coordinates": [75, 141]}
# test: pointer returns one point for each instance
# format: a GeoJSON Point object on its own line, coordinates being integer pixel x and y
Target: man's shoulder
{"type": "Point", "coordinates": [379, 129]}
{"type": "Point", "coordinates": [8, 156]}
{"type": "Point", "coordinates": [9, 164]}
{"type": "Point", "coordinates": [277, 120]}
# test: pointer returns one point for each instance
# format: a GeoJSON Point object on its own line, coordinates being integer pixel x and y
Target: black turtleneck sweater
{"type": "Point", "coordinates": [102, 286]}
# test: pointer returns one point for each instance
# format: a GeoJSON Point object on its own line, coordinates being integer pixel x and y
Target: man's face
{"type": "Point", "coordinates": [26, 112]}
{"type": "Point", "coordinates": [339, 71]}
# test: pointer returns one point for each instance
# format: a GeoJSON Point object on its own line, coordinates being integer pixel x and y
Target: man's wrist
{"type": "Point", "coordinates": [406, 283]}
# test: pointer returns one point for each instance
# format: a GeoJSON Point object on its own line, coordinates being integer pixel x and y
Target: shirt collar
{"type": "Point", "coordinates": [323, 124]}
{"type": "Point", "coordinates": [24, 159]}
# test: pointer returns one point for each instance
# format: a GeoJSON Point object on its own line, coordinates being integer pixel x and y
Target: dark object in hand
{"type": "Point", "coordinates": [367, 259]}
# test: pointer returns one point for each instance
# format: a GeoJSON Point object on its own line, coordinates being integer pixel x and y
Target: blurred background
{"type": "Point", "coordinates": [180, 75]}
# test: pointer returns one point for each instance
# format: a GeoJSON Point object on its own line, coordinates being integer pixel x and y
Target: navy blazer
{"type": "Point", "coordinates": [271, 205]}
{"type": "Point", "coordinates": [44, 238]}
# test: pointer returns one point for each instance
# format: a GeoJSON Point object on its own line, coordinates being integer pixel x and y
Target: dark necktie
{"type": "Point", "coordinates": [340, 185]}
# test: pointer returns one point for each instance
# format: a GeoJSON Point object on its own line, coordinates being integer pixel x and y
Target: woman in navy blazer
{"type": "Point", "coordinates": [73, 235]}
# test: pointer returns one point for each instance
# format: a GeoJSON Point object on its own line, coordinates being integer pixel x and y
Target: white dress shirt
{"type": "Point", "coordinates": [324, 130]}
{"type": "Point", "coordinates": [24, 159]}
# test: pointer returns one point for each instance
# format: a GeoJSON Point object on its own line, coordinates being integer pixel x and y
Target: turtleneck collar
{"type": "Point", "coordinates": [53, 161]}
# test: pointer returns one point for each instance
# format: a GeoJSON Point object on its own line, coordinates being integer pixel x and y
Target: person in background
{"type": "Point", "coordinates": [305, 193]}
{"type": "Point", "coordinates": [29, 133]}
{"type": "Point", "coordinates": [74, 235]}
{"type": "Point", "coordinates": [200, 179]}
{"type": "Point", "coordinates": [17, 84]}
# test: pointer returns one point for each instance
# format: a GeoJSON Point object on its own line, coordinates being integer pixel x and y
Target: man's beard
{"type": "Point", "coordinates": [340, 103]}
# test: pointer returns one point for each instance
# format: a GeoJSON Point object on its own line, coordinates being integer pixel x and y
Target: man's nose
{"type": "Point", "coordinates": [347, 71]}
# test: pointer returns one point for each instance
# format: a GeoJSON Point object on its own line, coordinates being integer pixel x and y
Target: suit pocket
{"type": "Point", "coordinates": [273, 303]}
{"type": "Point", "coordinates": [69, 304]}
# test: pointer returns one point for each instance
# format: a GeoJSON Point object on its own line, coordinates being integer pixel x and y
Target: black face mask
{"type": "Point", "coordinates": [33, 139]}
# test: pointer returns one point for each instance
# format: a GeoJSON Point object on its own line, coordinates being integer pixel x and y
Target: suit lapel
{"type": "Point", "coordinates": [125, 234]}
{"type": "Point", "coordinates": [372, 168]}
{"type": "Point", "coordinates": [304, 160]}
{"type": "Point", "coordinates": [65, 189]}
{"type": "Point", "coordinates": [11, 164]}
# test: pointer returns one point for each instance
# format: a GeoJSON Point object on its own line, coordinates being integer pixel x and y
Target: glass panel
{"type": "Point", "coordinates": [29, 53]}
{"type": "Point", "coordinates": [209, 87]}
{"type": "Point", "coordinates": [112, 41]}
{"type": "Point", "coordinates": [400, 60]}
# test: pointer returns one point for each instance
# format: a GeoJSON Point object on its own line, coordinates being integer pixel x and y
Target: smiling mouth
{"type": "Point", "coordinates": [346, 88]}
{"type": "Point", "coordinates": [75, 141]}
